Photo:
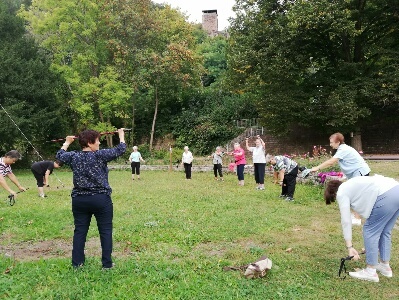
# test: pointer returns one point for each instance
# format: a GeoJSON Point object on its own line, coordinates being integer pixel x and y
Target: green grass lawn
{"type": "Point", "coordinates": [173, 237]}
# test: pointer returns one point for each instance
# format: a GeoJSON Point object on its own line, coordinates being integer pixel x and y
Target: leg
{"type": "Point", "coordinates": [215, 168]}
{"type": "Point", "coordinates": [39, 181]}
{"type": "Point", "coordinates": [138, 170]}
{"type": "Point", "coordinates": [82, 217]}
{"type": "Point", "coordinates": [219, 168]}
{"type": "Point", "coordinates": [104, 217]}
{"type": "Point", "coordinates": [256, 173]}
{"type": "Point", "coordinates": [284, 187]}
{"type": "Point", "coordinates": [378, 227]}
{"type": "Point", "coordinates": [133, 169]}
{"type": "Point", "coordinates": [240, 174]}
{"type": "Point", "coordinates": [189, 170]}
{"type": "Point", "coordinates": [291, 182]}
{"type": "Point", "coordinates": [261, 175]}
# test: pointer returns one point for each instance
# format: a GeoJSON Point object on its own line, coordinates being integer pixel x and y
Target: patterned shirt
{"type": "Point", "coordinates": [217, 158]}
{"type": "Point", "coordinates": [283, 162]}
{"type": "Point", "coordinates": [90, 170]}
{"type": "Point", "coordinates": [4, 168]}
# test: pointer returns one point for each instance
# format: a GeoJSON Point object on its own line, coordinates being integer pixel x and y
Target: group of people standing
{"type": "Point", "coordinates": [375, 198]}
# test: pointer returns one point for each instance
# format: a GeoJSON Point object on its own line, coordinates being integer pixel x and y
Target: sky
{"type": "Point", "coordinates": [193, 9]}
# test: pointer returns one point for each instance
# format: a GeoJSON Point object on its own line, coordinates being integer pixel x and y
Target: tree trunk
{"type": "Point", "coordinates": [109, 136]}
{"type": "Point", "coordinates": [356, 140]}
{"type": "Point", "coordinates": [132, 132]}
{"type": "Point", "coordinates": [155, 118]}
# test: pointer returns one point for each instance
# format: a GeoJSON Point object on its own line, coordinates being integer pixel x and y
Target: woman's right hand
{"type": "Point", "coordinates": [353, 252]}
{"type": "Point", "coordinates": [69, 139]}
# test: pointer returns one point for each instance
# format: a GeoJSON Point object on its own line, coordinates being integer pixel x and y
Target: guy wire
{"type": "Point", "coordinates": [37, 152]}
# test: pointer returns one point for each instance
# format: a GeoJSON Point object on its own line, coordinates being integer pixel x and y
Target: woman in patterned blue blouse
{"type": "Point", "coordinates": [91, 193]}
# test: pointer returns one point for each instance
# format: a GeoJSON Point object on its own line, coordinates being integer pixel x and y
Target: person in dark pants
{"type": "Point", "coordinates": [287, 170]}
{"type": "Point", "coordinates": [187, 161]}
{"type": "Point", "coordinates": [240, 161]}
{"type": "Point", "coordinates": [91, 194]}
{"type": "Point", "coordinates": [42, 170]}
{"type": "Point", "coordinates": [217, 159]}
{"type": "Point", "coordinates": [259, 161]}
{"type": "Point", "coordinates": [135, 158]}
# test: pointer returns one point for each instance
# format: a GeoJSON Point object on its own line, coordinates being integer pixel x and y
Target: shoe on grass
{"type": "Point", "coordinates": [42, 195]}
{"type": "Point", "coordinates": [109, 268]}
{"type": "Point", "coordinates": [365, 275]}
{"type": "Point", "coordinates": [282, 196]}
{"type": "Point", "coordinates": [386, 271]}
{"type": "Point", "coordinates": [289, 199]}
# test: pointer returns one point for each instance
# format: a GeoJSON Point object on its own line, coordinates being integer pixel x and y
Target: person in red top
{"type": "Point", "coordinates": [5, 170]}
{"type": "Point", "coordinates": [239, 157]}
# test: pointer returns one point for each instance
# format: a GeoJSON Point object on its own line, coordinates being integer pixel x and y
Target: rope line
{"type": "Point", "coordinates": [37, 152]}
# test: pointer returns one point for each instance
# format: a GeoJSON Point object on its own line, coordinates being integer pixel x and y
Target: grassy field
{"type": "Point", "coordinates": [173, 237]}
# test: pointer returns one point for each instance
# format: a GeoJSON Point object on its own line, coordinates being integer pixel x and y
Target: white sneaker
{"type": "Point", "coordinates": [364, 275]}
{"type": "Point", "coordinates": [386, 271]}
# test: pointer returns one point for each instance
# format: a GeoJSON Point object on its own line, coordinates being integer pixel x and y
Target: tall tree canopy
{"type": "Point", "coordinates": [77, 36]}
{"type": "Point", "coordinates": [28, 89]}
{"type": "Point", "coordinates": [325, 64]}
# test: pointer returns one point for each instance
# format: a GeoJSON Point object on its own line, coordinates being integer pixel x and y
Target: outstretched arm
{"type": "Point", "coordinates": [14, 179]}
{"type": "Point", "coordinates": [328, 163]}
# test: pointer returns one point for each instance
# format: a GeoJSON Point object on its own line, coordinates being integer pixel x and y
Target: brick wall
{"type": "Point", "coordinates": [376, 139]}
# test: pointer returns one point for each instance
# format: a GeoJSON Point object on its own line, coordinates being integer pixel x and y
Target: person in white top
{"type": "Point", "coordinates": [187, 159]}
{"type": "Point", "coordinates": [259, 161]}
{"type": "Point", "coordinates": [376, 199]}
{"type": "Point", "coordinates": [134, 159]}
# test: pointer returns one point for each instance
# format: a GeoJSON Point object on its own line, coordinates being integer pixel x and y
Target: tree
{"type": "Point", "coordinates": [28, 89]}
{"type": "Point", "coordinates": [322, 64]}
{"type": "Point", "coordinates": [170, 62]}
{"type": "Point", "coordinates": [77, 36]}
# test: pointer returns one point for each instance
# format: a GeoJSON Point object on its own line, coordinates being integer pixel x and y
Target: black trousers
{"type": "Point", "coordinates": [135, 167]}
{"type": "Point", "coordinates": [39, 178]}
{"type": "Point", "coordinates": [259, 170]}
{"type": "Point", "coordinates": [83, 207]}
{"type": "Point", "coordinates": [217, 168]}
{"type": "Point", "coordinates": [289, 183]}
{"type": "Point", "coordinates": [187, 170]}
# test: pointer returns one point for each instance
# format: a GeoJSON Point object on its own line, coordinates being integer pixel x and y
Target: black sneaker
{"type": "Point", "coordinates": [109, 268]}
{"type": "Point", "coordinates": [282, 196]}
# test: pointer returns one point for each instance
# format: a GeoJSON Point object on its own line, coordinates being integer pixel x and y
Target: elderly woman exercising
{"type": "Point", "coordinates": [376, 199]}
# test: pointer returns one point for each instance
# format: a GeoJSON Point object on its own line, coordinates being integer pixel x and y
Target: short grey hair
{"type": "Point", "coordinates": [13, 154]}
{"type": "Point", "coordinates": [185, 147]}
{"type": "Point", "coordinates": [269, 157]}
{"type": "Point", "coordinates": [135, 148]}
{"type": "Point", "coordinates": [218, 148]}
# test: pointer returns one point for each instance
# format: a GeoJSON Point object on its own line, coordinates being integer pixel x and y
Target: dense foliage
{"type": "Point", "coordinates": [30, 93]}
{"type": "Point", "coordinates": [102, 64]}
{"type": "Point", "coordinates": [324, 64]}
